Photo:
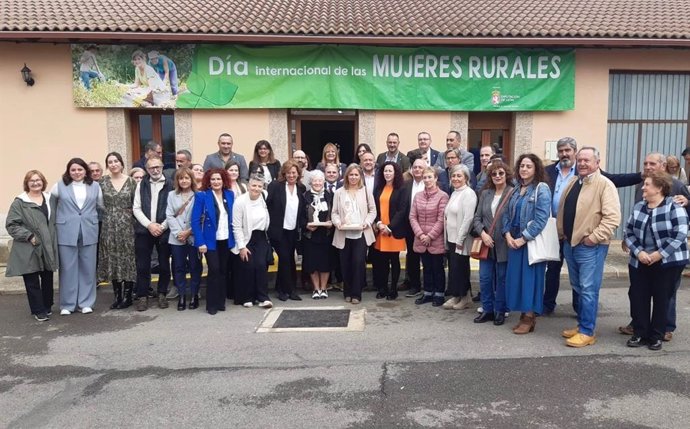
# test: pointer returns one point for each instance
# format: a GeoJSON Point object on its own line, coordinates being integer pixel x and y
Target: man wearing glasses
{"type": "Point", "coordinates": [467, 158]}
{"type": "Point", "coordinates": [151, 231]}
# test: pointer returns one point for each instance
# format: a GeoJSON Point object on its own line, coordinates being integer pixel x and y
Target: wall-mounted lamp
{"type": "Point", "coordinates": [26, 75]}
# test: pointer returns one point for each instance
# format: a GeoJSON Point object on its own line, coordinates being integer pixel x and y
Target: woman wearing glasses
{"type": "Point", "coordinates": [487, 226]}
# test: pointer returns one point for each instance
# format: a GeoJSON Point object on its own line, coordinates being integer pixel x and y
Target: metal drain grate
{"type": "Point", "coordinates": [313, 319]}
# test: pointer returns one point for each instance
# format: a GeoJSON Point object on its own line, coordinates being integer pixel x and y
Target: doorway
{"type": "Point", "coordinates": [153, 125]}
{"type": "Point", "coordinates": [312, 130]}
{"type": "Point", "coordinates": [490, 129]}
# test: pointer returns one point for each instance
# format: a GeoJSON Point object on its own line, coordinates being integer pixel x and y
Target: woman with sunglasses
{"type": "Point", "coordinates": [487, 225]}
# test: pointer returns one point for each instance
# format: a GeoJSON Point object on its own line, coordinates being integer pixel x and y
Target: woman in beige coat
{"type": "Point", "coordinates": [353, 214]}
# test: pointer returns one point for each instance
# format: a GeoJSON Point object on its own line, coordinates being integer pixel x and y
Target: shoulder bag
{"type": "Point", "coordinates": [545, 246]}
{"type": "Point", "coordinates": [480, 250]}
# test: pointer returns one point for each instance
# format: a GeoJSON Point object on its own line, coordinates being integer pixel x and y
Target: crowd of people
{"type": "Point", "coordinates": [437, 206]}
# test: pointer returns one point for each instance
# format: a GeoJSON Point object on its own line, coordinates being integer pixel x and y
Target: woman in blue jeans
{"type": "Point", "coordinates": [523, 219]}
{"type": "Point", "coordinates": [184, 255]}
{"type": "Point", "coordinates": [487, 225]}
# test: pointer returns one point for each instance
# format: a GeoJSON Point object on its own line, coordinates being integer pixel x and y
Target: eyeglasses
{"type": "Point", "coordinates": [154, 167]}
{"type": "Point", "coordinates": [498, 174]}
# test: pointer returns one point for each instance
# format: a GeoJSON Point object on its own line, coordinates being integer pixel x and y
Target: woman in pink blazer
{"type": "Point", "coordinates": [353, 214]}
{"type": "Point", "coordinates": [426, 219]}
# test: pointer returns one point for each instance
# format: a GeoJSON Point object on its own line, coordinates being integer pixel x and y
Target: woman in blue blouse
{"type": "Point", "coordinates": [212, 229]}
{"type": "Point", "coordinates": [525, 217]}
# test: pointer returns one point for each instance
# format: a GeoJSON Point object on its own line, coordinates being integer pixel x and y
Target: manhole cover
{"type": "Point", "coordinates": [305, 319]}
{"type": "Point", "coordinates": [313, 319]}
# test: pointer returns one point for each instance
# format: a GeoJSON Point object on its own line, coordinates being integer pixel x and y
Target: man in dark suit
{"type": "Point", "coordinates": [413, 187]}
{"type": "Point", "coordinates": [558, 175]}
{"type": "Point", "coordinates": [429, 155]}
{"type": "Point", "coordinates": [393, 154]}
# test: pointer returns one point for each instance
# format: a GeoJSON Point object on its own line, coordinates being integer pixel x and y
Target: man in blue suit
{"type": "Point", "coordinates": [429, 155]}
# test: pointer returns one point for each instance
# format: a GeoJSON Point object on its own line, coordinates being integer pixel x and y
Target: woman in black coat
{"type": "Point", "coordinates": [285, 202]}
{"type": "Point", "coordinates": [316, 240]}
{"type": "Point", "coordinates": [390, 225]}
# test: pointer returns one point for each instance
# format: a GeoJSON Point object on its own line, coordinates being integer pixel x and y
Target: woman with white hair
{"type": "Point", "coordinates": [458, 217]}
{"type": "Point", "coordinates": [318, 234]}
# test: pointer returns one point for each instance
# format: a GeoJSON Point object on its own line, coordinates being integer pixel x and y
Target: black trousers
{"type": "Point", "coordinates": [651, 284]}
{"type": "Point", "coordinates": [384, 263]}
{"type": "Point", "coordinates": [412, 261]}
{"type": "Point", "coordinates": [353, 260]}
{"type": "Point", "coordinates": [217, 262]}
{"type": "Point", "coordinates": [143, 246]}
{"type": "Point", "coordinates": [39, 291]}
{"type": "Point", "coordinates": [287, 268]}
{"type": "Point", "coordinates": [252, 275]}
{"type": "Point", "coordinates": [458, 272]}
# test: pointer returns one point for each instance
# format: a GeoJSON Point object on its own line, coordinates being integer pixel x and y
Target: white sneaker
{"type": "Point", "coordinates": [86, 310]}
{"type": "Point", "coordinates": [173, 293]}
{"type": "Point", "coordinates": [65, 312]}
{"type": "Point", "coordinates": [266, 304]}
{"type": "Point", "coordinates": [480, 309]}
{"type": "Point", "coordinates": [323, 294]}
{"type": "Point", "coordinates": [316, 295]}
{"type": "Point", "coordinates": [248, 305]}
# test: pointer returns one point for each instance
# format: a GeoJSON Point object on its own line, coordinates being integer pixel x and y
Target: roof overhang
{"type": "Point", "coordinates": [117, 37]}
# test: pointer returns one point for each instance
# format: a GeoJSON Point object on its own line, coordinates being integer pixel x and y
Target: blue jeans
{"type": "Point", "coordinates": [86, 77]}
{"type": "Point", "coordinates": [552, 284]}
{"type": "Point", "coordinates": [186, 257]}
{"type": "Point", "coordinates": [492, 285]}
{"type": "Point", "coordinates": [586, 269]}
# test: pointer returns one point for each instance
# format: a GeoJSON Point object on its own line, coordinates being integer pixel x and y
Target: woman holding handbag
{"type": "Point", "coordinates": [487, 226]}
{"type": "Point", "coordinates": [458, 218]}
{"type": "Point", "coordinates": [524, 219]}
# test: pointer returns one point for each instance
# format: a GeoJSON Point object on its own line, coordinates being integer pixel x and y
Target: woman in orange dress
{"type": "Point", "coordinates": [391, 225]}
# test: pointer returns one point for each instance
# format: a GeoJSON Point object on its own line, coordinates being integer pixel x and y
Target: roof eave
{"type": "Point", "coordinates": [112, 36]}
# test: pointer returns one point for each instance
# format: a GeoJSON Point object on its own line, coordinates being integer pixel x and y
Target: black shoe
{"type": "Point", "coordinates": [412, 293]}
{"type": "Point", "coordinates": [392, 297]}
{"type": "Point", "coordinates": [477, 297]}
{"type": "Point", "coordinates": [636, 341]}
{"type": "Point", "coordinates": [380, 295]}
{"type": "Point", "coordinates": [484, 317]}
{"type": "Point", "coordinates": [655, 345]}
{"type": "Point", "coordinates": [424, 299]}
{"type": "Point", "coordinates": [499, 318]}
{"type": "Point", "coordinates": [221, 308]}
{"type": "Point", "coordinates": [212, 312]}
{"type": "Point", "coordinates": [438, 301]}
{"type": "Point", "coordinates": [283, 296]}
{"type": "Point", "coordinates": [127, 302]}
{"type": "Point", "coordinates": [117, 290]}
{"type": "Point", "coordinates": [295, 296]}
{"type": "Point", "coordinates": [41, 317]}
{"type": "Point", "coordinates": [181, 303]}
{"type": "Point", "coordinates": [194, 302]}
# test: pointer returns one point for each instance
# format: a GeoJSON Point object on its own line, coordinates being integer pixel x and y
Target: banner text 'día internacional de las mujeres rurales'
{"type": "Point", "coordinates": [373, 77]}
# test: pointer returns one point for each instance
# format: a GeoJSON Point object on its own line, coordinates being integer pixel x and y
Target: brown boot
{"type": "Point", "coordinates": [526, 326]}
{"type": "Point", "coordinates": [522, 317]}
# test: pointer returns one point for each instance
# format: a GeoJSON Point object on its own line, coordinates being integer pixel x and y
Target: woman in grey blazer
{"type": "Point", "coordinates": [492, 271]}
{"type": "Point", "coordinates": [78, 198]}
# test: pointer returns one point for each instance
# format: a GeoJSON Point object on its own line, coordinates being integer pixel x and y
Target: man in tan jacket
{"type": "Point", "coordinates": [588, 213]}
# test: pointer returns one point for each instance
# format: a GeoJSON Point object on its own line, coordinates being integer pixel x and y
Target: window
{"type": "Point", "coordinates": [159, 126]}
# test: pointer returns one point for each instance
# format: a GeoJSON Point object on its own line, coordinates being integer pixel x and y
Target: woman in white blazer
{"type": "Point", "coordinates": [353, 214]}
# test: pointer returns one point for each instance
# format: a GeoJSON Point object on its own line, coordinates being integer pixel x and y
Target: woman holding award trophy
{"type": "Point", "coordinates": [318, 234]}
{"type": "Point", "coordinates": [353, 214]}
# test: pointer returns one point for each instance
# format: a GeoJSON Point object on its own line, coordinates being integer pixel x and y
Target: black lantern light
{"type": "Point", "coordinates": [26, 75]}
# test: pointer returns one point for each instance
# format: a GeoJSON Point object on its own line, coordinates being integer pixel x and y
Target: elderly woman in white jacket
{"type": "Point", "coordinates": [457, 225]}
{"type": "Point", "coordinates": [250, 221]}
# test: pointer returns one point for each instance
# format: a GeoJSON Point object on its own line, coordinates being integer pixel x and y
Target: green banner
{"type": "Point", "coordinates": [329, 77]}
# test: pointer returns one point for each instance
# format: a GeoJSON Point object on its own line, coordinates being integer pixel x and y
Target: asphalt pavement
{"type": "Point", "coordinates": [411, 366]}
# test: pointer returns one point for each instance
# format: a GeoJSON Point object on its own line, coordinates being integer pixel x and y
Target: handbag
{"type": "Point", "coordinates": [480, 250]}
{"type": "Point", "coordinates": [545, 246]}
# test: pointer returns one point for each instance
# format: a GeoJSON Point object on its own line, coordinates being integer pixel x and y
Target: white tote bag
{"type": "Point", "coordinates": [545, 246]}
